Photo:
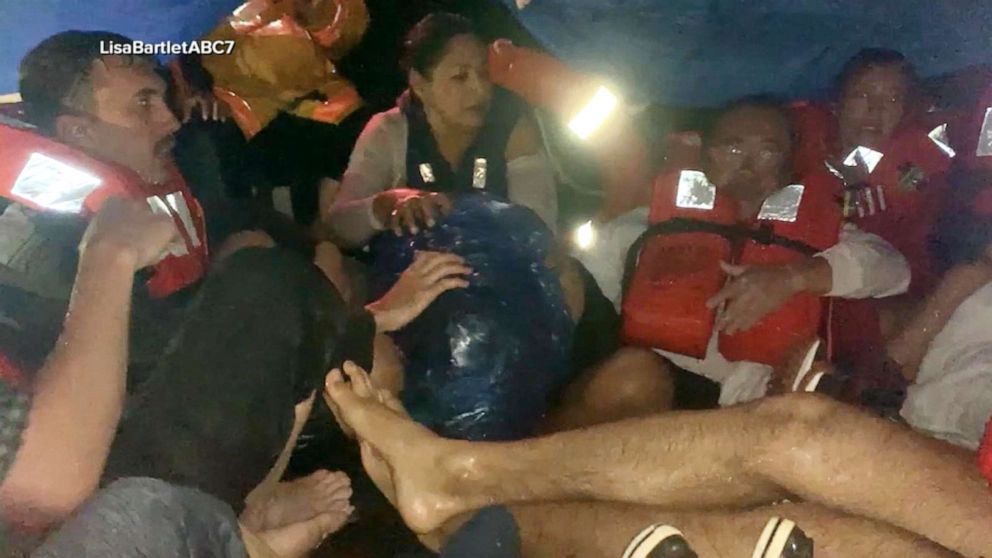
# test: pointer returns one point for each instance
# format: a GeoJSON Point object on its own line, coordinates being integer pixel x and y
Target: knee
{"type": "Point", "coordinates": [634, 378]}
{"type": "Point", "coordinates": [800, 417]}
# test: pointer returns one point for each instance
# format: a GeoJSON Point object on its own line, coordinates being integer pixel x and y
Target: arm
{"type": "Point", "coordinates": [346, 29]}
{"type": "Point", "coordinates": [79, 393]}
{"type": "Point", "coordinates": [369, 172]}
{"type": "Point", "coordinates": [861, 265]}
{"type": "Point", "coordinates": [529, 176]}
{"type": "Point", "coordinates": [605, 258]}
{"type": "Point", "coordinates": [911, 343]}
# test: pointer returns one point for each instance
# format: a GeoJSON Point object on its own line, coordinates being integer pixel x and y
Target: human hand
{"type": "Point", "coordinates": [206, 106]}
{"type": "Point", "coordinates": [430, 274]}
{"type": "Point", "coordinates": [752, 293]}
{"type": "Point", "coordinates": [129, 229]}
{"type": "Point", "coordinates": [400, 209]}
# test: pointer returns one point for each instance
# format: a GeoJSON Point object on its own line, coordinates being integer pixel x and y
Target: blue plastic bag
{"type": "Point", "coordinates": [483, 362]}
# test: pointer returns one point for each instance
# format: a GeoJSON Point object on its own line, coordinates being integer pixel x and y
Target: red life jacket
{"type": "Point", "coordinates": [975, 135]}
{"type": "Point", "coordinates": [674, 267]}
{"type": "Point", "coordinates": [903, 198]}
{"type": "Point", "coordinates": [46, 175]}
{"type": "Point", "coordinates": [985, 453]}
{"type": "Point", "coordinates": [816, 133]}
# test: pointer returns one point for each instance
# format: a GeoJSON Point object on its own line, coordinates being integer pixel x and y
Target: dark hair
{"type": "Point", "coordinates": [761, 101]}
{"type": "Point", "coordinates": [57, 71]}
{"type": "Point", "coordinates": [427, 40]}
{"type": "Point", "coordinates": [869, 57]}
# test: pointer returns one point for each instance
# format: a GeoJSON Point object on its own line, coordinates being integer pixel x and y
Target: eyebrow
{"type": "Point", "coordinates": [148, 92]}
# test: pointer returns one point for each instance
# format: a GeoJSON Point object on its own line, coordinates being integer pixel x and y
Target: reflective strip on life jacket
{"type": "Point", "coordinates": [863, 156]}
{"type": "Point", "coordinates": [695, 191]}
{"type": "Point", "coordinates": [52, 185]}
{"type": "Point", "coordinates": [783, 205]}
{"type": "Point", "coordinates": [984, 147]}
{"type": "Point", "coordinates": [174, 205]}
{"type": "Point", "coordinates": [939, 137]}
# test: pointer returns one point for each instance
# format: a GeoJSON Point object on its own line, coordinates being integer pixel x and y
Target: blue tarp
{"type": "Point", "coordinates": [24, 24]}
{"type": "Point", "coordinates": [705, 52]}
{"type": "Point", "coordinates": [684, 52]}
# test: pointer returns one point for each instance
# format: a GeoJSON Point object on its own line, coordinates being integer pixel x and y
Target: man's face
{"type": "Point", "coordinates": [872, 104]}
{"type": "Point", "coordinates": [127, 120]}
{"type": "Point", "coordinates": [748, 154]}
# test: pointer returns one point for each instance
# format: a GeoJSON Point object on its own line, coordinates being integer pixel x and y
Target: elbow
{"type": "Point", "coordinates": [33, 504]}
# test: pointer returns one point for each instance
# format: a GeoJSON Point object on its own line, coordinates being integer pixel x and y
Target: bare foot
{"type": "Point", "coordinates": [289, 503]}
{"type": "Point", "coordinates": [297, 540]}
{"type": "Point", "coordinates": [420, 464]}
{"type": "Point", "coordinates": [374, 463]}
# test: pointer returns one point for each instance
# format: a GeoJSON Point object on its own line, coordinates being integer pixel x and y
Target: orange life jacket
{"type": "Point", "coordinates": [45, 175]}
{"type": "Point", "coordinates": [674, 267]}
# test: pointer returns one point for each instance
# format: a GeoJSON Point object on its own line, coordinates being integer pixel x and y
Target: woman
{"type": "Point", "coordinates": [451, 132]}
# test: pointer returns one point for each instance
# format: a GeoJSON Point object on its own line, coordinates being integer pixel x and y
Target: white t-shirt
{"type": "Point", "coordinates": [863, 264]}
{"type": "Point", "coordinates": [378, 163]}
{"type": "Point", "coordinates": [952, 396]}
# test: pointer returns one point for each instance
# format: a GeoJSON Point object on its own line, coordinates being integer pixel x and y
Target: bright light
{"type": "Point", "coordinates": [596, 111]}
{"type": "Point", "coordinates": [585, 236]}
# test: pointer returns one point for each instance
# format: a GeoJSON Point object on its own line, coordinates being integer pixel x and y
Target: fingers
{"type": "Point", "coordinates": [206, 107]}
{"type": "Point", "coordinates": [447, 271]}
{"type": "Point", "coordinates": [403, 218]}
{"type": "Point", "coordinates": [415, 211]}
{"type": "Point", "coordinates": [740, 315]}
{"type": "Point", "coordinates": [442, 202]}
{"type": "Point", "coordinates": [444, 286]}
{"type": "Point", "coordinates": [731, 290]}
{"type": "Point", "coordinates": [430, 262]}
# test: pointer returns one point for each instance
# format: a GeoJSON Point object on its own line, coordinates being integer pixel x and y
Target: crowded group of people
{"type": "Point", "coordinates": [778, 330]}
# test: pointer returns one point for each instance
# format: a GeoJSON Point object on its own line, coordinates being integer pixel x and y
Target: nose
{"type": "Point", "coordinates": [480, 84]}
{"type": "Point", "coordinates": [166, 121]}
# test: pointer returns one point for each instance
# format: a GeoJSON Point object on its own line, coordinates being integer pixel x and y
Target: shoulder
{"type": "Point", "coordinates": [390, 122]}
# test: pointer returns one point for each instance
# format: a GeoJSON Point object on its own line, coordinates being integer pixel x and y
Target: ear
{"type": "Point", "coordinates": [418, 83]}
{"type": "Point", "coordinates": [74, 130]}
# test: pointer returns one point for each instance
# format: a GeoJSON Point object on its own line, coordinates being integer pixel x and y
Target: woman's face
{"type": "Point", "coordinates": [872, 105]}
{"type": "Point", "coordinates": [458, 89]}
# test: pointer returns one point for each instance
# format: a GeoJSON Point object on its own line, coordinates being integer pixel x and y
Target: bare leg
{"type": "Point", "coordinates": [387, 369]}
{"type": "Point", "coordinates": [749, 454]}
{"type": "Point", "coordinates": [597, 530]}
{"type": "Point", "coordinates": [301, 412]}
{"type": "Point", "coordinates": [632, 383]}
